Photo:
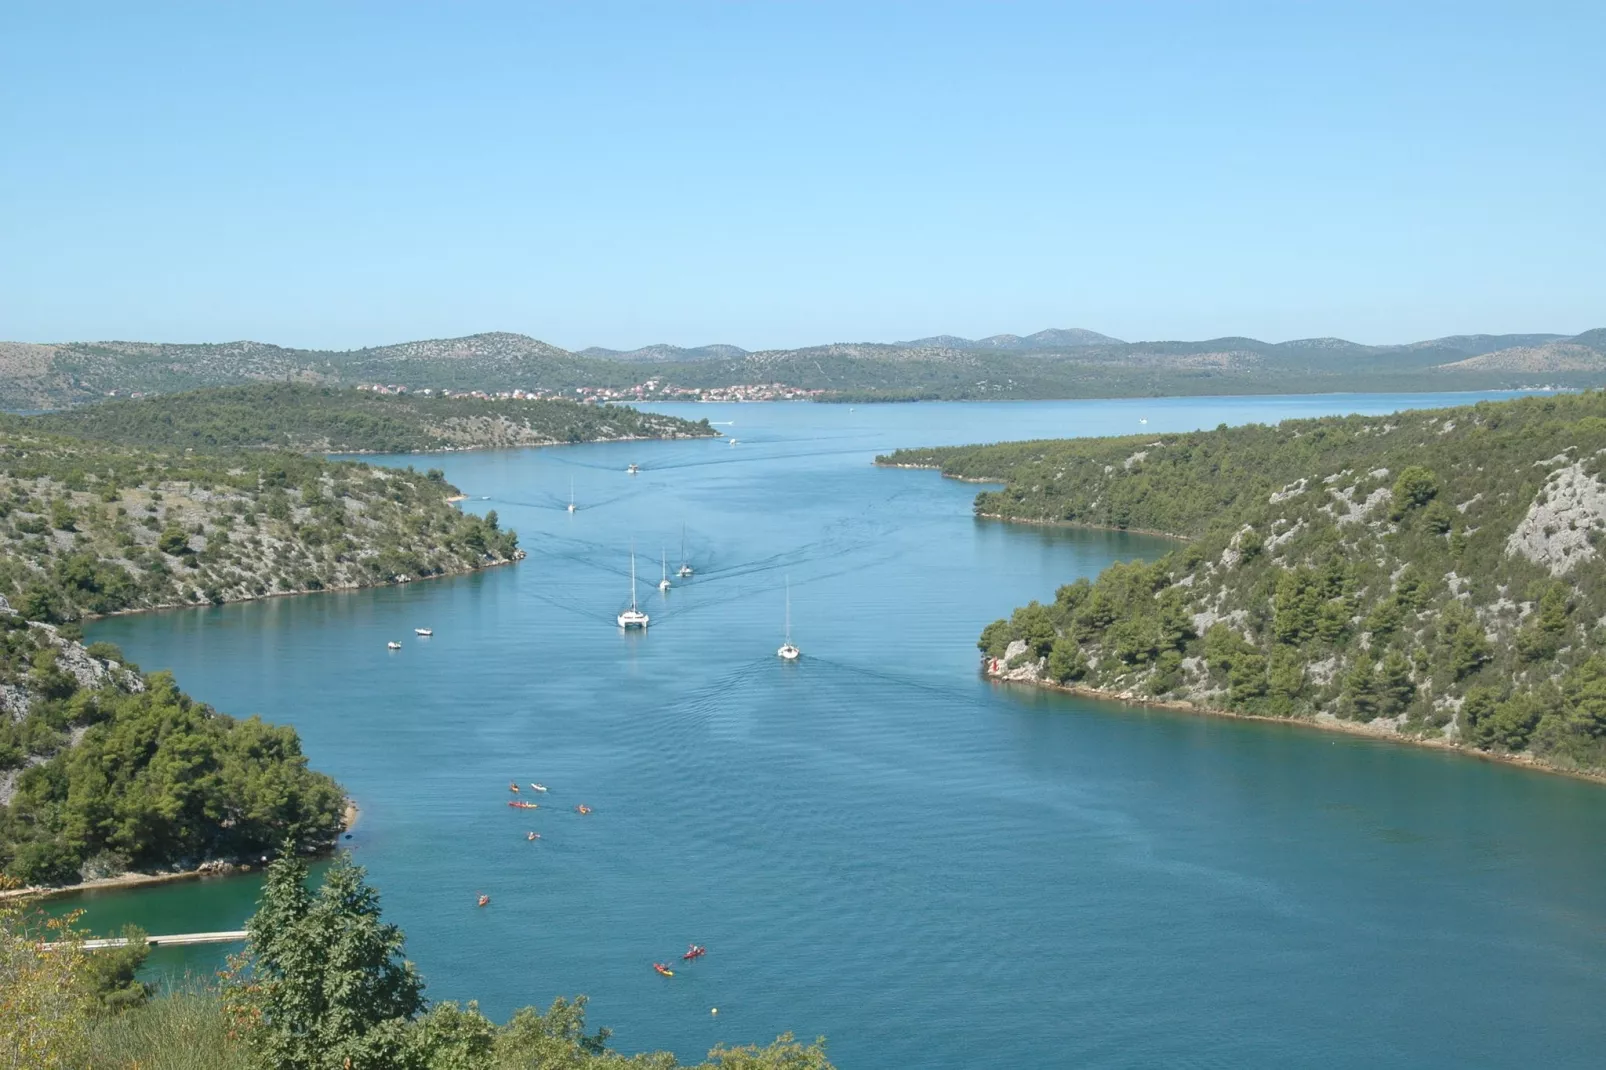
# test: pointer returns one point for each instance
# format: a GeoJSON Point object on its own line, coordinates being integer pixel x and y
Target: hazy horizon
{"type": "Point", "coordinates": [773, 177]}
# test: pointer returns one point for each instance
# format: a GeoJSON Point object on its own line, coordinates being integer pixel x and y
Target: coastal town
{"type": "Point", "coordinates": [651, 390]}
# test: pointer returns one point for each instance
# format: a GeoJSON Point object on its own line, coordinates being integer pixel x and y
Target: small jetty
{"type": "Point", "coordinates": [232, 936]}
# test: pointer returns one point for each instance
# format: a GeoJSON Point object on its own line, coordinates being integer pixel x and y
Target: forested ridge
{"type": "Point", "coordinates": [91, 528]}
{"type": "Point", "coordinates": [331, 420]}
{"type": "Point", "coordinates": [1050, 364]}
{"type": "Point", "coordinates": [1435, 574]}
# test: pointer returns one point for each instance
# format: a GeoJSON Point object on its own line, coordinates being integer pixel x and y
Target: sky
{"type": "Point", "coordinates": [336, 175]}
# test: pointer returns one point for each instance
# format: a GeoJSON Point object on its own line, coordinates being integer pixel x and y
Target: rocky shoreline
{"type": "Point", "coordinates": [1027, 675]}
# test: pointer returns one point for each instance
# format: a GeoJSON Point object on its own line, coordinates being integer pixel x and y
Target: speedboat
{"type": "Point", "coordinates": [393, 645]}
{"type": "Point", "coordinates": [426, 632]}
{"type": "Point", "coordinates": [665, 970]}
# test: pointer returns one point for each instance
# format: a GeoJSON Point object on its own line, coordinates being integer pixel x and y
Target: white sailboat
{"type": "Point", "coordinates": [685, 564]}
{"type": "Point", "coordinates": [663, 565]}
{"type": "Point", "coordinates": [633, 617]}
{"type": "Point", "coordinates": [571, 494]}
{"type": "Point", "coordinates": [788, 652]}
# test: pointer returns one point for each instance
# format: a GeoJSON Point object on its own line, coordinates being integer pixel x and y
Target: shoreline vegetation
{"type": "Point", "coordinates": [1320, 723]}
{"type": "Point", "coordinates": [1430, 577]}
{"type": "Point", "coordinates": [217, 868]}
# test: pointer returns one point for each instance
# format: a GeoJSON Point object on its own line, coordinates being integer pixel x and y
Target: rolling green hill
{"type": "Point", "coordinates": [1050, 364]}
{"type": "Point", "coordinates": [1435, 575]}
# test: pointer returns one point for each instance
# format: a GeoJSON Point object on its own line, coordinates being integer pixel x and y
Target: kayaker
{"type": "Point", "coordinates": [533, 836]}
{"type": "Point", "coordinates": [485, 900]}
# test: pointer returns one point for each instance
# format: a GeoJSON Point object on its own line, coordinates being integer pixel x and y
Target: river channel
{"type": "Point", "coordinates": [874, 843]}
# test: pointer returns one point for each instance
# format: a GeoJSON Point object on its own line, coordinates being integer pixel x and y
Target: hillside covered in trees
{"type": "Point", "coordinates": [1434, 574]}
{"type": "Point", "coordinates": [1049, 364]}
{"type": "Point", "coordinates": [332, 420]}
{"type": "Point", "coordinates": [105, 770]}
{"type": "Point", "coordinates": [90, 528]}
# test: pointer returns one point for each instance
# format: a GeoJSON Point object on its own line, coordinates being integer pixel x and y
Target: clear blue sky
{"type": "Point", "coordinates": [341, 174]}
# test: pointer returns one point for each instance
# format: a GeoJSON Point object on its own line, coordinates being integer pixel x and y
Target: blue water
{"type": "Point", "coordinates": [875, 844]}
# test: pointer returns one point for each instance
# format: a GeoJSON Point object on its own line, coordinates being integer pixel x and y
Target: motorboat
{"type": "Point", "coordinates": [425, 632]}
{"type": "Point", "coordinates": [393, 645]}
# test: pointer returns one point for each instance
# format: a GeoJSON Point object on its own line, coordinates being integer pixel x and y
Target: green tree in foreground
{"type": "Point", "coordinates": [323, 985]}
{"type": "Point", "coordinates": [322, 982]}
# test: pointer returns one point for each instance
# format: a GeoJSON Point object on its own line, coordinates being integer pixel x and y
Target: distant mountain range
{"type": "Point", "coordinates": [1058, 363]}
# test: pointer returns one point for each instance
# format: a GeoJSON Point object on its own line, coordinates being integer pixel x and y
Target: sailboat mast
{"type": "Point", "coordinates": [632, 575]}
{"type": "Point", "coordinates": [789, 611]}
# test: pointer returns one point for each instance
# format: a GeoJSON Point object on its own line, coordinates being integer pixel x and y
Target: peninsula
{"type": "Point", "coordinates": [104, 769]}
{"type": "Point", "coordinates": [325, 419]}
{"type": "Point", "coordinates": [1434, 576]}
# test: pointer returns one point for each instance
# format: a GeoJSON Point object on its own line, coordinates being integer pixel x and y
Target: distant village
{"type": "Point", "coordinates": [651, 390]}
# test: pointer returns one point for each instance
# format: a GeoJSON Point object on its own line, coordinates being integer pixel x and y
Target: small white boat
{"type": "Point", "coordinates": [633, 617]}
{"type": "Point", "coordinates": [632, 470]}
{"type": "Point", "coordinates": [788, 652]}
{"type": "Point", "coordinates": [663, 564]}
{"type": "Point", "coordinates": [424, 631]}
{"type": "Point", "coordinates": [733, 442]}
{"type": "Point", "coordinates": [537, 787]}
{"type": "Point", "coordinates": [393, 645]}
{"type": "Point", "coordinates": [685, 563]}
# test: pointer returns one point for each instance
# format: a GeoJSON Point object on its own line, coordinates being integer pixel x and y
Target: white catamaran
{"type": "Point", "coordinates": [788, 652]}
{"type": "Point", "coordinates": [633, 617]}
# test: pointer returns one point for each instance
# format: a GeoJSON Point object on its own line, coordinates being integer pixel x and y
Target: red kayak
{"type": "Point", "coordinates": [696, 951]}
{"type": "Point", "coordinates": [520, 804]}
